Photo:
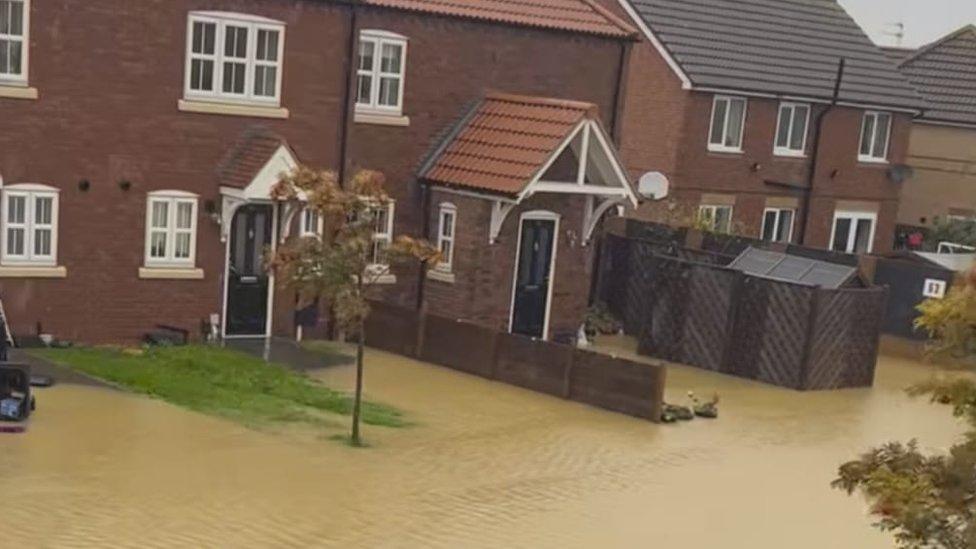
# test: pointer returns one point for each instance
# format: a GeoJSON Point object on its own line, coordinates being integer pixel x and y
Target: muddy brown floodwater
{"type": "Point", "coordinates": [486, 465]}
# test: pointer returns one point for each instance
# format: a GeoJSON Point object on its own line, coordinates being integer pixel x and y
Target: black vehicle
{"type": "Point", "coordinates": [16, 401]}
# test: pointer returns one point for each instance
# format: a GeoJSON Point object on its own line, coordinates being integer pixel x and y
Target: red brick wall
{"type": "Point", "coordinates": [110, 73]}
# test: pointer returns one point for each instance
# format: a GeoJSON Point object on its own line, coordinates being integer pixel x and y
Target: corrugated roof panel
{"type": "Point", "coordinates": [792, 268]}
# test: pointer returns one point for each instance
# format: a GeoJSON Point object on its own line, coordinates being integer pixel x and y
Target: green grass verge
{"type": "Point", "coordinates": [221, 382]}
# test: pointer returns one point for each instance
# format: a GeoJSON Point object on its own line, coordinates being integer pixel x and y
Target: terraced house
{"type": "Point", "coordinates": [737, 102]}
{"type": "Point", "coordinates": [139, 141]}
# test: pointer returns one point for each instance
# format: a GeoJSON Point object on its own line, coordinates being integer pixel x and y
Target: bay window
{"type": "Point", "coordinates": [791, 129]}
{"type": "Point", "coordinates": [14, 27]}
{"type": "Point", "coordinates": [171, 229]}
{"type": "Point", "coordinates": [728, 122]}
{"type": "Point", "coordinates": [380, 72]}
{"type": "Point", "coordinates": [30, 225]}
{"type": "Point", "coordinates": [875, 131]}
{"type": "Point", "coordinates": [234, 58]}
{"type": "Point", "coordinates": [853, 232]}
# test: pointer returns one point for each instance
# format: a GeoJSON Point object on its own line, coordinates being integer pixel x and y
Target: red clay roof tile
{"type": "Point", "coordinates": [247, 156]}
{"type": "Point", "coordinates": [584, 16]}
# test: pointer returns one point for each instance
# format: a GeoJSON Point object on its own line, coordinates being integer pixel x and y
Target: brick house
{"type": "Point", "coordinates": [136, 161]}
{"type": "Point", "coordinates": [942, 150]}
{"type": "Point", "coordinates": [725, 98]}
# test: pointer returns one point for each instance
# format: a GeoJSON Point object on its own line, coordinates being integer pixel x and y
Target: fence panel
{"type": "Point", "coordinates": [392, 328]}
{"type": "Point", "coordinates": [844, 346]}
{"type": "Point", "coordinates": [617, 384]}
{"type": "Point", "coordinates": [459, 345]}
{"type": "Point", "coordinates": [537, 365]}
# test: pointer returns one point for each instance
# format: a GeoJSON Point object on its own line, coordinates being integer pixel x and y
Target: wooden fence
{"type": "Point", "coordinates": [617, 384]}
{"type": "Point", "coordinates": [703, 314]}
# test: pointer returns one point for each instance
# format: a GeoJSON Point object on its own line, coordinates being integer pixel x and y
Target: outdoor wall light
{"type": "Point", "coordinates": [756, 167]}
{"type": "Point", "coordinates": [84, 185]}
{"type": "Point", "coordinates": [125, 184]}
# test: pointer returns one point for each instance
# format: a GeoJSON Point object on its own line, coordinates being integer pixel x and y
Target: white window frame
{"type": "Point", "coordinates": [713, 210]}
{"type": "Point", "coordinates": [776, 226]}
{"type": "Point", "coordinates": [19, 79]}
{"type": "Point", "coordinates": [253, 24]}
{"type": "Point", "coordinates": [446, 264]}
{"type": "Point", "coordinates": [787, 150]}
{"type": "Point", "coordinates": [309, 215]}
{"type": "Point", "coordinates": [386, 236]}
{"type": "Point", "coordinates": [30, 192]}
{"type": "Point", "coordinates": [173, 199]}
{"type": "Point", "coordinates": [721, 146]}
{"type": "Point", "coordinates": [854, 216]}
{"type": "Point", "coordinates": [870, 157]}
{"type": "Point", "coordinates": [379, 38]}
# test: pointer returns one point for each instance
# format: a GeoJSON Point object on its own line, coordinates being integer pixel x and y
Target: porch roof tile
{"type": "Point", "coordinates": [504, 141]}
{"type": "Point", "coordinates": [247, 156]}
{"type": "Point", "coordinates": [581, 16]}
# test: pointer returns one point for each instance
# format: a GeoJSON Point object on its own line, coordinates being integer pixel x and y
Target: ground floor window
{"type": "Point", "coordinates": [311, 223]}
{"type": "Point", "coordinates": [715, 218]}
{"type": "Point", "coordinates": [853, 232]}
{"type": "Point", "coordinates": [445, 236]}
{"type": "Point", "coordinates": [778, 224]}
{"type": "Point", "coordinates": [171, 229]}
{"type": "Point", "coordinates": [29, 224]}
{"type": "Point", "coordinates": [382, 234]}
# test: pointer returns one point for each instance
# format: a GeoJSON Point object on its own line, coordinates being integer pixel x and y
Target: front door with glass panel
{"type": "Point", "coordinates": [532, 277]}
{"type": "Point", "coordinates": [853, 232]}
{"type": "Point", "coordinates": [247, 279]}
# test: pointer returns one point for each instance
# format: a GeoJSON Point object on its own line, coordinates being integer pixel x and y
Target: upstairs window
{"type": "Point", "coordinates": [380, 73]}
{"type": "Point", "coordinates": [14, 16]}
{"type": "Point", "coordinates": [715, 218]}
{"type": "Point", "coordinates": [778, 225]}
{"type": "Point", "coordinates": [791, 129]}
{"type": "Point", "coordinates": [234, 58]}
{"type": "Point", "coordinates": [728, 122]}
{"type": "Point", "coordinates": [445, 236]}
{"type": "Point", "coordinates": [30, 225]}
{"type": "Point", "coordinates": [171, 229]}
{"type": "Point", "coordinates": [875, 131]}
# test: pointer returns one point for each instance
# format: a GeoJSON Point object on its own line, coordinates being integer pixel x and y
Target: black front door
{"type": "Point", "coordinates": [247, 280]}
{"type": "Point", "coordinates": [532, 277]}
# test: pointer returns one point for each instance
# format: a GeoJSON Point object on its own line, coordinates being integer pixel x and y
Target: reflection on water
{"type": "Point", "coordinates": [487, 465]}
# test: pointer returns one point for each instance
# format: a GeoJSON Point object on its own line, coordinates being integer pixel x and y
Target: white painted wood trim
{"type": "Point", "coordinates": [232, 109]}
{"type": "Point", "coordinates": [158, 273]}
{"type": "Point", "coordinates": [547, 216]}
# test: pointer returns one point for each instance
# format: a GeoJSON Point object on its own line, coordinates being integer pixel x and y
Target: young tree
{"type": "Point", "coordinates": [930, 501]}
{"type": "Point", "coordinates": [344, 264]}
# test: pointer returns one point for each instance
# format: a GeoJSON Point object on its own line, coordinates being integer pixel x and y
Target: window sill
{"type": "Point", "coordinates": [162, 273]}
{"type": "Point", "coordinates": [28, 271]}
{"type": "Point", "coordinates": [441, 276]}
{"type": "Point", "coordinates": [789, 154]}
{"type": "Point", "coordinates": [724, 150]}
{"type": "Point", "coordinates": [381, 119]}
{"type": "Point", "coordinates": [874, 161]}
{"type": "Point", "coordinates": [17, 92]}
{"type": "Point", "coordinates": [231, 109]}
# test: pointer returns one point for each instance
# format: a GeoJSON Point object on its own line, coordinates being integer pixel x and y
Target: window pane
{"type": "Point", "coordinates": [160, 215]}
{"type": "Point", "coordinates": [184, 215]}
{"type": "Point", "coordinates": [15, 53]}
{"type": "Point", "coordinates": [390, 61]}
{"type": "Point", "coordinates": [862, 238]}
{"type": "Point", "coordinates": [783, 132]}
{"type": "Point", "coordinates": [267, 45]}
{"type": "Point", "coordinates": [364, 88]}
{"type": "Point", "coordinates": [16, 209]}
{"type": "Point", "coordinates": [265, 79]}
{"type": "Point", "coordinates": [17, 18]}
{"type": "Point", "coordinates": [43, 209]}
{"type": "Point", "coordinates": [447, 224]}
{"type": "Point", "coordinates": [799, 128]}
{"type": "Point", "coordinates": [201, 74]}
{"type": "Point", "coordinates": [381, 221]}
{"type": "Point", "coordinates": [235, 42]}
{"type": "Point", "coordinates": [718, 122]}
{"type": "Point", "coordinates": [15, 241]}
{"type": "Point", "coordinates": [157, 245]}
{"type": "Point", "coordinates": [5, 16]}
{"type": "Point", "coordinates": [42, 242]}
{"type": "Point", "coordinates": [366, 51]}
{"type": "Point", "coordinates": [723, 219]}
{"type": "Point", "coordinates": [389, 91]}
{"type": "Point", "coordinates": [867, 134]}
{"type": "Point", "coordinates": [5, 57]}
{"type": "Point", "coordinates": [769, 225]}
{"type": "Point", "coordinates": [881, 135]}
{"type": "Point", "coordinates": [182, 248]}
{"type": "Point", "coordinates": [234, 77]}
{"type": "Point", "coordinates": [736, 113]}
{"type": "Point", "coordinates": [446, 247]}
{"type": "Point", "coordinates": [379, 252]}
{"type": "Point", "coordinates": [842, 232]}
{"type": "Point", "coordinates": [785, 226]}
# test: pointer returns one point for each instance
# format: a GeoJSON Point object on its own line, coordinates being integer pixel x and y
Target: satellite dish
{"type": "Point", "coordinates": [653, 185]}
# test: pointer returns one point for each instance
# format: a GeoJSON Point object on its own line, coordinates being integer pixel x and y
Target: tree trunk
{"type": "Point", "coordinates": [357, 402]}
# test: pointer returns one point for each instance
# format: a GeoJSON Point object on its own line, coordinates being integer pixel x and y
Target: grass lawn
{"type": "Point", "coordinates": [221, 382]}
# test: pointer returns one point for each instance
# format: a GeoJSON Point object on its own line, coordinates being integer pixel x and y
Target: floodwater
{"type": "Point", "coordinates": [485, 465]}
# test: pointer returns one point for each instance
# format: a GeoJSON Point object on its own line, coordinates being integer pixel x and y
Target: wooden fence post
{"type": "Point", "coordinates": [735, 297]}
{"type": "Point", "coordinates": [568, 374]}
{"type": "Point", "coordinates": [808, 343]}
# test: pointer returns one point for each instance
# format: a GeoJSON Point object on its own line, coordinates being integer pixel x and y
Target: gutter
{"type": "Point", "coordinates": [815, 153]}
